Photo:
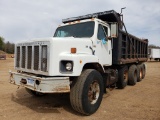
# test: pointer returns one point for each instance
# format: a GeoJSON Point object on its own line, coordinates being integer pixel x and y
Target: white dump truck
{"type": "Point", "coordinates": [154, 53]}
{"type": "Point", "coordinates": [86, 55]}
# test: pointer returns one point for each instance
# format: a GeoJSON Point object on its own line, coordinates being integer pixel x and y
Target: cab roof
{"type": "Point", "coordinates": [108, 16]}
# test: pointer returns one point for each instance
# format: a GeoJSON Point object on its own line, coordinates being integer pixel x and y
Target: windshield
{"type": "Point", "coordinates": [78, 30]}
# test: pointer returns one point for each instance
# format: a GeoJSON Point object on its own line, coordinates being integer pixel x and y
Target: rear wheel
{"type": "Point", "coordinates": [122, 77]}
{"type": "Point", "coordinates": [132, 75]}
{"type": "Point", "coordinates": [143, 70]}
{"type": "Point", "coordinates": [34, 93]}
{"type": "Point", "coordinates": [86, 92]}
{"type": "Point", "coordinates": [140, 73]}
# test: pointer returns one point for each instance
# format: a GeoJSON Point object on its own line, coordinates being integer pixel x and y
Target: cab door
{"type": "Point", "coordinates": [103, 45]}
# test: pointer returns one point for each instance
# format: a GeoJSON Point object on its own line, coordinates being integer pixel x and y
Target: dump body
{"type": "Point", "coordinates": [129, 51]}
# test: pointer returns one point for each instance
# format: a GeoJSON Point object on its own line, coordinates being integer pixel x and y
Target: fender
{"type": "Point", "coordinates": [79, 61]}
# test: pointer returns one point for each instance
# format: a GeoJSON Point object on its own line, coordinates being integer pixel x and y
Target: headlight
{"type": "Point", "coordinates": [69, 66]}
{"type": "Point", "coordinates": [66, 66]}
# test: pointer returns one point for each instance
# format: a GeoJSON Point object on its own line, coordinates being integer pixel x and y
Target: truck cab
{"type": "Point", "coordinates": [94, 30]}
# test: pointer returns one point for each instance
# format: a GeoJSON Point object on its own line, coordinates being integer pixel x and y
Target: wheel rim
{"type": "Point", "coordinates": [141, 73]}
{"type": "Point", "coordinates": [93, 93]}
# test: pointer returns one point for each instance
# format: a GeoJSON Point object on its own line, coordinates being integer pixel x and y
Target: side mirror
{"type": "Point", "coordinates": [114, 30]}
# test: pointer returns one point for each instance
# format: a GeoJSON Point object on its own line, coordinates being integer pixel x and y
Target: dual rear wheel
{"type": "Point", "coordinates": [130, 75]}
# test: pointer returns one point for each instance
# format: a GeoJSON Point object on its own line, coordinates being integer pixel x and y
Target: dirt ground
{"type": "Point", "coordinates": [139, 102]}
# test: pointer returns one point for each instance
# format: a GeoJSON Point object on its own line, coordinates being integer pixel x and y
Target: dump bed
{"type": "Point", "coordinates": [126, 47]}
{"type": "Point", "coordinates": [129, 49]}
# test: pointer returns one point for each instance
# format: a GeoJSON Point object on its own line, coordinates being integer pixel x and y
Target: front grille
{"type": "Point", "coordinates": [36, 57]}
{"type": "Point", "coordinates": [32, 58]}
{"type": "Point", "coordinates": [23, 56]}
{"type": "Point", "coordinates": [44, 58]}
{"type": "Point", "coordinates": [29, 62]}
{"type": "Point", "coordinates": [18, 57]}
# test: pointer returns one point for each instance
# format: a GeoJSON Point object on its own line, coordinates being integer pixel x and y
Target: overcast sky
{"type": "Point", "coordinates": [26, 19]}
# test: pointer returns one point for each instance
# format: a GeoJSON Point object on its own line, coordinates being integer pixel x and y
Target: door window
{"type": "Point", "coordinates": [102, 32]}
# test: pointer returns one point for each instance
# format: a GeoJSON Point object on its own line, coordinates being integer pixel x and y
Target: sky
{"type": "Point", "coordinates": [27, 19]}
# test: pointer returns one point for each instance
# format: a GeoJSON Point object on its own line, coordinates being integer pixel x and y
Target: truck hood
{"type": "Point", "coordinates": [64, 45]}
{"type": "Point", "coordinates": [30, 53]}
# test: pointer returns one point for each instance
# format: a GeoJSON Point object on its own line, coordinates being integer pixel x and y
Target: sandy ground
{"type": "Point", "coordinates": [139, 102]}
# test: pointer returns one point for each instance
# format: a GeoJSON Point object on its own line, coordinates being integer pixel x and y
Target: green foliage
{"type": "Point", "coordinates": [153, 46]}
{"type": "Point", "coordinates": [1, 43]}
{"type": "Point", "coordinates": [9, 47]}
{"type": "Point", "coordinates": [6, 47]}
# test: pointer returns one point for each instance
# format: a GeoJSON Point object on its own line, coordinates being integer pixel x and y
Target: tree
{"type": "Point", "coordinates": [2, 44]}
{"type": "Point", "coordinates": [6, 46]}
{"type": "Point", "coordinates": [9, 47]}
{"type": "Point", "coordinates": [153, 46]}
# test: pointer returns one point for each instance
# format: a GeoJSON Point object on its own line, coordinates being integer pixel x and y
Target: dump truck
{"type": "Point", "coordinates": [86, 55]}
{"type": "Point", "coordinates": [154, 53]}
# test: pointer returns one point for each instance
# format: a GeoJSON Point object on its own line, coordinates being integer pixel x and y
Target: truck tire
{"type": "Point", "coordinates": [122, 77]}
{"type": "Point", "coordinates": [86, 92]}
{"type": "Point", "coordinates": [34, 93]}
{"type": "Point", "coordinates": [140, 73]}
{"type": "Point", "coordinates": [144, 70]}
{"type": "Point", "coordinates": [132, 75]}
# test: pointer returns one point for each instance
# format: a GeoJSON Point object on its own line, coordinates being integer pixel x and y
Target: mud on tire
{"type": "Point", "coordinates": [132, 75]}
{"type": "Point", "coordinates": [122, 77]}
{"type": "Point", "coordinates": [86, 92]}
{"type": "Point", "coordinates": [144, 70]}
{"type": "Point", "coordinates": [140, 72]}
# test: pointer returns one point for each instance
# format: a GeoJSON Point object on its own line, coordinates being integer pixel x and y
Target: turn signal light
{"type": "Point", "coordinates": [73, 50]}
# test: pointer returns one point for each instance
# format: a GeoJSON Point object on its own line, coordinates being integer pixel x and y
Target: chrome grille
{"type": "Point", "coordinates": [32, 57]}
{"type": "Point", "coordinates": [36, 57]}
{"type": "Point", "coordinates": [44, 58]}
{"type": "Point", "coordinates": [29, 61]}
{"type": "Point", "coordinates": [23, 56]}
{"type": "Point", "coordinates": [18, 57]}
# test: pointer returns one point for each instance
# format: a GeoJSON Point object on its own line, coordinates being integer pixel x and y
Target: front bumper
{"type": "Point", "coordinates": [41, 84]}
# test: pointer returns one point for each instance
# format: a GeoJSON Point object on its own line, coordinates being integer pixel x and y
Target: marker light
{"type": "Point", "coordinates": [73, 50]}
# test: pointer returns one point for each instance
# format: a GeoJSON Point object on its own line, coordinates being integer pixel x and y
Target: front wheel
{"type": "Point", "coordinates": [86, 92]}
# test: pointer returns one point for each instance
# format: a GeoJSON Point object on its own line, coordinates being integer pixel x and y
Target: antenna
{"type": "Point", "coordinates": [122, 10]}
